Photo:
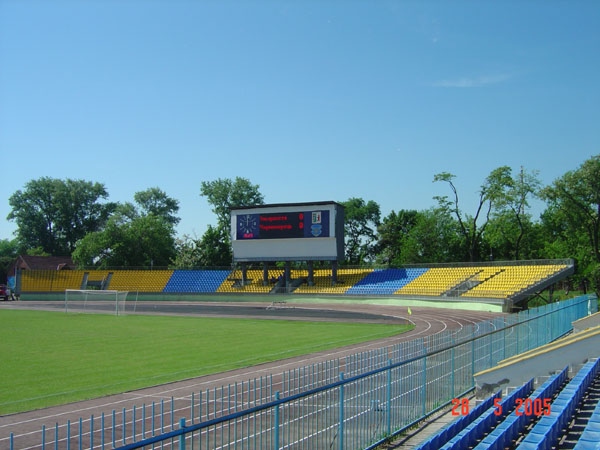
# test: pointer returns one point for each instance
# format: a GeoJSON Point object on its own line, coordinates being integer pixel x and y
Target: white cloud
{"type": "Point", "coordinates": [472, 82]}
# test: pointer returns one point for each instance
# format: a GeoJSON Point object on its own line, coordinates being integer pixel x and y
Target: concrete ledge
{"type": "Point", "coordinates": [586, 322]}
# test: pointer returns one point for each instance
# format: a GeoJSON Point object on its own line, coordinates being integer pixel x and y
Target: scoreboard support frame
{"type": "Point", "coordinates": [286, 280]}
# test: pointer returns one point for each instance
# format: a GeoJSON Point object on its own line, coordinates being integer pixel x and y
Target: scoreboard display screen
{"type": "Point", "coordinates": [283, 225]}
{"type": "Point", "coordinates": [288, 232]}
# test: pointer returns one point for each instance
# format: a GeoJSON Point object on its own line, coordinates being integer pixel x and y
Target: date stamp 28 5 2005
{"type": "Point", "coordinates": [523, 407]}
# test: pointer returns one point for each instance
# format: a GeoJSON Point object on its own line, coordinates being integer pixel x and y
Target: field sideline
{"type": "Point", "coordinates": [52, 358]}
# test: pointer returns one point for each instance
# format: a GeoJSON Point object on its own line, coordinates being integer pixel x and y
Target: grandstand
{"type": "Point", "coordinates": [509, 283]}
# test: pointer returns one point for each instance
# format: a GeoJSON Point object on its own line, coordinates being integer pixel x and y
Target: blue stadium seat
{"type": "Point", "coordinates": [453, 429]}
{"type": "Point", "coordinates": [385, 281]}
{"type": "Point", "coordinates": [478, 422]}
{"type": "Point", "coordinates": [546, 432]}
{"type": "Point", "coordinates": [196, 281]}
{"type": "Point", "coordinates": [507, 432]}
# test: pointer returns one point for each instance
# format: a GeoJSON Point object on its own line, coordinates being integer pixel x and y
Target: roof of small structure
{"type": "Point", "coordinates": [29, 262]}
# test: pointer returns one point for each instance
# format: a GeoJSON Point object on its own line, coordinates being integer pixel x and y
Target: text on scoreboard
{"type": "Point", "coordinates": [283, 225]}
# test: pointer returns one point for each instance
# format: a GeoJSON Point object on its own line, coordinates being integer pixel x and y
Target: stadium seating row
{"type": "Point", "coordinates": [450, 431]}
{"type": "Point", "coordinates": [547, 430]}
{"type": "Point", "coordinates": [494, 425]}
{"type": "Point", "coordinates": [590, 437]}
{"type": "Point", "coordinates": [464, 432]}
{"type": "Point", "coordinates": [513, 425]}
{"type": "Point", "coordinates": [469, 282]}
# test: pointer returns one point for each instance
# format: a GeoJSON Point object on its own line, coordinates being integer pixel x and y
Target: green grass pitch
{"type": "Point", "coordinates": [51, 358]}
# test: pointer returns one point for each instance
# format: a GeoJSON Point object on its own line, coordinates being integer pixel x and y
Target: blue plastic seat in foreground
{"type": "Point", "coordinates": [454, 428]}
{"type": "Point", "coordinates": [590, 437]}
{"type": "Point", "coordinates": [486, 421]}
{"type": "Point", "coordinates": [545, 433]}
{"type": "Point", "coordinates": [507, 432]}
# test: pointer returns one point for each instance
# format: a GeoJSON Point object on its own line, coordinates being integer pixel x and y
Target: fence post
{"type": "Point", "coordinates": [389, 398]}
{"type": "Point", "coordinates": [452, 370]}
{"type": "Point", "coordinates": [341, 416]}
{"type": "Point", "coordinates": [424, 388]}
{"type": "Point", "coordinates": [124, 420]}
{"type": "Point", "coordinates": [182, 435]}
{"type": "Point", "coordinates": [473, 371]}
{"type": "Point", "coordinates": [276, 424]}
{"type": "Point", "coordinates": [113, 434]}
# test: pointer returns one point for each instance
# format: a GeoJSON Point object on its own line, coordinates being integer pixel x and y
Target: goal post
{"type": "Point", "coordinates": [88, 300]}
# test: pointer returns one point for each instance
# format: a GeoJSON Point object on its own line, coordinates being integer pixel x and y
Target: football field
{"type": "Point", "coordinates": [50, 358]}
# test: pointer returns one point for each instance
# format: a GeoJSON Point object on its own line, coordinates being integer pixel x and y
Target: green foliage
{"type": "Point", "coordinates": [214, 248]}
{"type": "Point", "coordinates": [59, 217]}
{"type": "Point", "coordinates": [435, 238]}
{"type": "Point", "coordinates": [361, 220]}
{"type": "Point", "coordinates": [510, 197]}
{"type": "Point", "coordinates": [224, 194]}
{"type": "Point", "coordinates": [574, 200]}
{"type": "Point", "coordinates": [509, 237]}
{"type": "Point", "coordinates": [51, 358]}
{"type": "Point", "coordinates": [502, 197]}
{"type": "Point", "coordinates": [187, 253]}
{"type": "Point", "coordinates": [142, 242]}
{"type": "Point", "coordinates": [142, 236]}
{"type": "Point", "coordinates": [594, 277]}
{"type": "Point", "coordinates": [392, 232]}
{"type": "Point", "coordinates": [154, 201]}
{"type": "Point", "coordinates": [419, 237]}
{"type": "Point", "coordinates": [54, 214]}
{"type": "Point", "coordinates": [9, 248]}
{"type": "Point", "coordinates": [8, 253]}
{"type": "Point", "coordinates": [471, 226]}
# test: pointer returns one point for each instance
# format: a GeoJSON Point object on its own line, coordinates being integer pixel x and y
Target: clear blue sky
{"type": "Point", "coordinates": [311, 100]}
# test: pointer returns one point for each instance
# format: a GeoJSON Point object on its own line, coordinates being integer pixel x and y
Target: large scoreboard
{"type": "Point", "coordinates": [288, 232]}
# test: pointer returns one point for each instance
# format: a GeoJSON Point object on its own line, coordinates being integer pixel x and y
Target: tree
{"type": "Point", "coordinates": [361, 220]}
{"type": "Point", "coordinates": [576, 198]}
{"type": "Point", "coordinates": [9, 250]}
{"type": "Point", "coordinates": [156, 202]}
{"type": "Point", "coordinates": [435, 238]}
{"type": "Point", "coordinates": [135, 236]}
{"type": "Point", "coordinates": [187, 253]}
{"type": "Point", "coordinates": [224, 194]}
{"type": "Point", "coordinates": [54, 214]}
{"type": "Point", "coordinates": [560, 239]}
{"type": "Point", "coordinates": [511, 200]}
{"type": "Point", "coordinates": [473, 227]}
{"type": "Point", "coordinates": [214, 248]}
{"type": "Point", "coordinates": [392, 232]}
{"type": "Point", "coordinates": [145, 241]}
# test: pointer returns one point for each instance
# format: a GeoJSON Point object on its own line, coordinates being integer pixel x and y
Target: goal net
{"type": "Point", "coordinates": [77, 300]}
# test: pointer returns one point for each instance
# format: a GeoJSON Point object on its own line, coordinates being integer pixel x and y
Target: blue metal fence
{"type": "Point", "coordinates": [352, 403]}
